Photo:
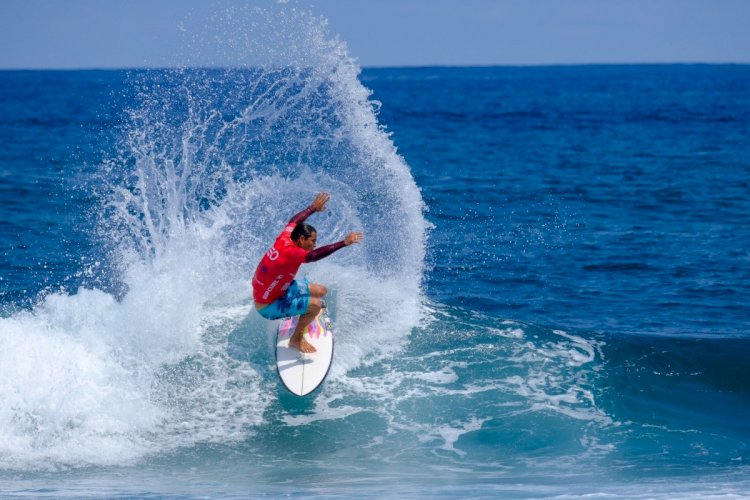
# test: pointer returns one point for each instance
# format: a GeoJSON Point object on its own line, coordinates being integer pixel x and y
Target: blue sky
{"type": "Point", "coordinates": [137, 33]}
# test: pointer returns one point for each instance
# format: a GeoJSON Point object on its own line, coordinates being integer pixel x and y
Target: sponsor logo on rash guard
{"type": "Point", "coordinates": [272, 286]}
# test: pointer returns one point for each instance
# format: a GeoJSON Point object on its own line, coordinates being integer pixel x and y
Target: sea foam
{"type": "Point", "coordinates": [211, 164]}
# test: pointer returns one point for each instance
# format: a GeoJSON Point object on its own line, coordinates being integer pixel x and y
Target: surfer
{"type": "Point", "coordinates": [275, 291]}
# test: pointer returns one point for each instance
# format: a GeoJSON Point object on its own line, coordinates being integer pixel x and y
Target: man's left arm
{"type": "Point", "coordinates": [318, 205]}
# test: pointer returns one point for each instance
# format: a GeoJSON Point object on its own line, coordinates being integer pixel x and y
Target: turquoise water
{"type": "Point", "coordinates": [551, 300]}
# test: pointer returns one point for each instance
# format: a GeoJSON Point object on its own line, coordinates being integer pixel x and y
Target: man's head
{"type": "Point", "coordinates": [304, 236]}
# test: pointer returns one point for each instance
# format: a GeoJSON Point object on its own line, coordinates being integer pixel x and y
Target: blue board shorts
{"type": "Point", "coordinates": [294, 302]}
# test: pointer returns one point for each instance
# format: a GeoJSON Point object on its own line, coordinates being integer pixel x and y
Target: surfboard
{"type": "Point", "coordinates": [301, 375]}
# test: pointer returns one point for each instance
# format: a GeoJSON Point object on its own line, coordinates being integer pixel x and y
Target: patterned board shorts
{"type": "Point", "coordinates": [293, 303]}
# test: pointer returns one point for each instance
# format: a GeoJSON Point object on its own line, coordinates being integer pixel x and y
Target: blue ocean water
{"type": "Point", "coordinates": [552, 300]}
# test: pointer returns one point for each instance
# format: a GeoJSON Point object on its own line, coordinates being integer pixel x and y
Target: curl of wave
{"type": "Point", "coordinates": [212, 162]}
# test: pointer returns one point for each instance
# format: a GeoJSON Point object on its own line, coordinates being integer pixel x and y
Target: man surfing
{"type": "Point", "coordinates": [275, 291]}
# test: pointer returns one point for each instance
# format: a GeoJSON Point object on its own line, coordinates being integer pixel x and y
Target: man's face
{"type": "Point", "coordinates": [308, 243]}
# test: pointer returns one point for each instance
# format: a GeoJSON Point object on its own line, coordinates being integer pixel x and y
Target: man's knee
{"type": "Point", "coordinates": [314, 306]}
{"type": "Point", "coordinates": [317, 290]}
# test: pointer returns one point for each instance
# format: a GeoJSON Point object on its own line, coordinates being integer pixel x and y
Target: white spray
{"type": "Point", "coordinates": [212, 164]}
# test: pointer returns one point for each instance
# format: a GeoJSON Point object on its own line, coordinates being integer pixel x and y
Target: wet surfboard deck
{"type": "Point", "coordinates": [301, 375]}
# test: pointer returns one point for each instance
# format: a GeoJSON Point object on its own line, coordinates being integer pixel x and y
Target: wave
{"type": "Point", "coordinates": [211, 164]}
{"type": "Point", "coordinates": [170, 354]}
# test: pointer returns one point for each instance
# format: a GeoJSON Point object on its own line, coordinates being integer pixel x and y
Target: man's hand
{"type": "Point", "coordinates": [352, 238]}
{"type": "Point", "coordinates": [319, 203]}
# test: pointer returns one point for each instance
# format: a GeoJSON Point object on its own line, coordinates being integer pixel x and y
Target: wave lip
{"type": "Point", "coordinates": [211, 163]}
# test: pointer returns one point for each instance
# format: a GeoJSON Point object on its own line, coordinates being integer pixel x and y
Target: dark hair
{"type": "Point", "coordinates": [302, 229]}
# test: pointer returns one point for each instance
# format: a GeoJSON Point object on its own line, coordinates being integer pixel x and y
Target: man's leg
{"type": "Point", "coordinates": [317, 291]}
{"type": "Point", "coordinates": [297, 341]}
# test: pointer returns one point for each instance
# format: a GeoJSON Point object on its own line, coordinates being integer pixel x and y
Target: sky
{"type": "Point", "coordinates": [66, 34]}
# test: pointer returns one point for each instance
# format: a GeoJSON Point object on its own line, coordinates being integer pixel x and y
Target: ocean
{"type": "Point", "coordinates": [552, 300]}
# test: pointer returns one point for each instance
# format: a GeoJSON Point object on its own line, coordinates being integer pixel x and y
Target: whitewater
{"type": "Point", "coordinates": [495, 335]}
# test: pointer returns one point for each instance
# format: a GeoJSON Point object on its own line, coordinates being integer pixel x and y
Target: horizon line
{"type": "Point", "coordinates": [405, 66]}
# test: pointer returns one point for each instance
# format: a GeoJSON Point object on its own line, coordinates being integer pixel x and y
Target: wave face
{"type": "Point", "coordinates": [211, 164]}
{"type": "Point", "coordinates": [599, 209]}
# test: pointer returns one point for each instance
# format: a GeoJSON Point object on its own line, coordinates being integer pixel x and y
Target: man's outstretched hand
{"type": "Point", "coordinates": [319, 203]}
{"type": "Point", "coordinates": [352, 238]}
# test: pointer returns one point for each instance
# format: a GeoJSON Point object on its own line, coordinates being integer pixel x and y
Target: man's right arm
{"type": "Point", "coordinates": [327, 250]}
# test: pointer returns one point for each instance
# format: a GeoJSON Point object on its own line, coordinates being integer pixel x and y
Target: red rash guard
{"type": "Point", "coordinates": [280, 264]}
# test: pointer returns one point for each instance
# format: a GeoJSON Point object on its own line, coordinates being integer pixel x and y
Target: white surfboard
{"type": "Point", "coordinates": [303, 374]}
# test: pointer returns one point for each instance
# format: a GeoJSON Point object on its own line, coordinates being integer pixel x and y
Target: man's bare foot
{"type": "Point", "coordinates": [302, 345]}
